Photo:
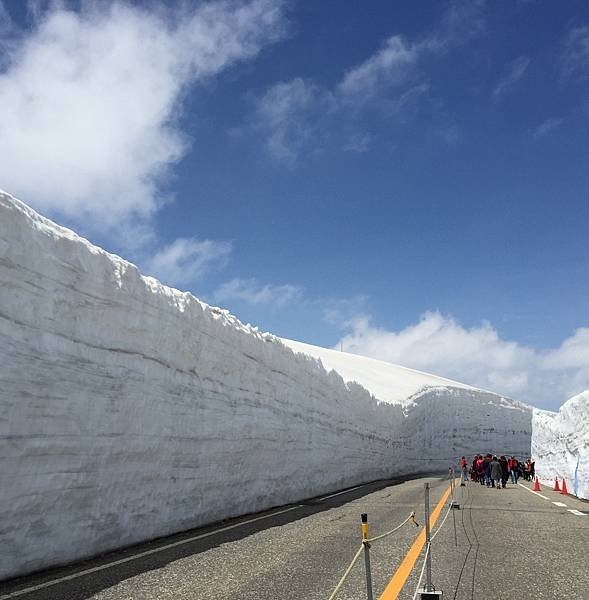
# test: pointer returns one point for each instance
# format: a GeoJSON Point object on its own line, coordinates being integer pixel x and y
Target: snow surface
{"type": "Point", "coordinates": [387, 382]}
{"type": "Point", "coordinates": [130, 410]}
{"type": "Point", "coordinates": [560, 444]}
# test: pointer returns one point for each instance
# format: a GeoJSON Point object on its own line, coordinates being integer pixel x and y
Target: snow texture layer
{"type": "Point", "coordinates": [560, 444]}
{"type": "Point", "coordinates": [385, 381]}
{"type": "Point", "coordinates": [129, 410]}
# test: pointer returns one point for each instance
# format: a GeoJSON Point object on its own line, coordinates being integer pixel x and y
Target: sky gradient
{"type": "Point", "coordinates": [406, 180]}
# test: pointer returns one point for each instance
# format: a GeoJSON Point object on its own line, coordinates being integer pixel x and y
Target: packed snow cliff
{"type": "Point", "coordinates": [560, 444]}
{"type": "Point", "coordinates": [385, 381]}
{"type": "Point", "coordinates": [130, 410]}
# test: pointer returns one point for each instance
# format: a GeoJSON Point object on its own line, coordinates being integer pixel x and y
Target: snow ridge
{"type": "Point", "coordinates": [387, 382]}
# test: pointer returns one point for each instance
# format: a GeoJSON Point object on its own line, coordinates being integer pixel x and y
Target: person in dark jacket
{"type": "Point", "coordinates": [504, 471]}
{"type": "Point", "coordinates": [487, 469]}
{"type": "Point", "coordinates": [496, 472]}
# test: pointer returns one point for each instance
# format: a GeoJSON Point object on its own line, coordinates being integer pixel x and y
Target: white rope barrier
{"type": "Point", "coordinates": [345, 575]}
{"type": "Point", "coordinates": [442, 523]}
{"type": "Point", "coordinates": [421, 574]}
{"type": "Point", "coordinates": [427, 550]}
{"type": "Point", "coordinates": [411, 517]}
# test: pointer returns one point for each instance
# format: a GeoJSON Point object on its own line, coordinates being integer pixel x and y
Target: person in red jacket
{"type": "Point", "coordinates": [481, 469]}
{"type": "Point", "coordinates": [463, 470]}
{"type": "Point", "coordinates": [473, 469]}
{"type": "Point", "coordinates": [513, 466]}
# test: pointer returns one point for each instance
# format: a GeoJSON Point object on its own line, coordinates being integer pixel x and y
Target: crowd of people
{"type": "Point", "coordinates": [495, 471]}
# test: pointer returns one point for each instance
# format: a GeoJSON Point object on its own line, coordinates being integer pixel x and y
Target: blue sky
{"type": "Point", "coordinates": [406, 179]}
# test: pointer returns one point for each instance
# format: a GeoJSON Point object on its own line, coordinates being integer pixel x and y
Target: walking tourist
{"type": "Point", "coordinates": [504, 471]}
{"type": "Point", "coordinates": [496, 473]}
{"type": "Point", "coordinates": [513, 466]}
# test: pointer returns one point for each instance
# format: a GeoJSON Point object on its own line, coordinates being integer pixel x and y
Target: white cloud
{"type": "Point", "coordinates": [5, 21]}
{"type": "Point", "coordinates": [575, 57]}
{"type": "Point", "coordinates": [514, 72]}
{"type": "Point", "coordinates": [389, 66]}
{"type": "Point", "coordinates": [547, 127]}
{"type": "Point", "coordinates": [572, 354]}
{"type": "Point", "coordinates": [286, 113]}
{"type": "Point", "coordinates": [339, 311]}
{"type": "Point", "coordinates": [462, 21]}
{"type": "Point", "coordinates": [89, 101]}
{"type": "Point", "coordinates": [253, 292]}
{"type": "Point", "coordinates": [297, 116]}
{"type": "Point", "coordinates": [186, 260]}
{"type": "Point", "coordinates": [359, 142]}
{"type": "Point", "coordinates": [478, 356]}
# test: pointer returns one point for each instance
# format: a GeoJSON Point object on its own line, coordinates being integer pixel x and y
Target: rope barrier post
{"type": "Point", "coordinates": [453, 502]}
{"type": "Point", "coordinates": [428, 567]}
{"type": "Point", "coordinates": [455, 535]}
{"type": "Point", "coordinates": [429, 591]}
{"type": "Point", "coordinates": [366, 545]}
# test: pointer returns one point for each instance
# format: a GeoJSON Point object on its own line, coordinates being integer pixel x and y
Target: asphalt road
{"type": "Point", "coordinates": [297, 551]}
{"type": "Point", "coordinates": [503, 544]}
{"type": "Point", "coordinates": [511, 544]}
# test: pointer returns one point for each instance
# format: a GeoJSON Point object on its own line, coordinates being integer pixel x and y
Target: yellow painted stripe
{"type": "Point", "coordinates": [400, 577]}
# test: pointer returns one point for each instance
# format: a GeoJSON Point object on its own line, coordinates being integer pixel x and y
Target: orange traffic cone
{"type": "Point", "coordinates": [564, 488]}
{"type": "Point", "coordinates": [556, 488]}
{"type": "Point", "coordinates": [537, 485]}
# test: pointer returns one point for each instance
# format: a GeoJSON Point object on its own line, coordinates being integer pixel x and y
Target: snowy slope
{"type": "Point", "coordinates": [560, 444]}
{"type": "Point", "coordinates": [443, 418]}
{"type": "Point", "coordinates": [130, 410]}
{"type": "Point", "coordinates": [387, 382]}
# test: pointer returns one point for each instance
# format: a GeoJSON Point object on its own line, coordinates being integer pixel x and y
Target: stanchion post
{"type": "Point", "coordinates": [364, 518]}
{"type": "Point", "coordinates": [428, 563]}
{"type": "Point", "coordinates": [453, 503]}
{"type": "Point", "coordinates": [429, 593]}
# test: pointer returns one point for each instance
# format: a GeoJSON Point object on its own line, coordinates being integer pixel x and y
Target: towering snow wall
{"type": "Point", "coordinates": [129, 410]}
{"type": "Point", "coordinates": [444, 419]}
{"type": "Point", "coordinates": [560, 444]}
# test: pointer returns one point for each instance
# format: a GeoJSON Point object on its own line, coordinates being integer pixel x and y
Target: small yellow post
{"type": "Point", "coordinates": [364, 518]}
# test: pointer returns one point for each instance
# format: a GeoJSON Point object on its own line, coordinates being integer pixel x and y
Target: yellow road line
{"type": "Point", "coordinates": [402, 574]}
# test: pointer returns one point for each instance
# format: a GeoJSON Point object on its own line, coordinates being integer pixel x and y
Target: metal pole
{"type": "Point", "coordinates": [428, 562]}
{"type": "Point", "coordinates": [364, 518]}
{"type": "Point", "coordinates": [455, 536]}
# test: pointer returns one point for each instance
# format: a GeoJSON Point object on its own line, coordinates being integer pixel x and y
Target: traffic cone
{"type": "Point", "coordinates": [556, 488]}
{"type": "Point", "coordinates": [537, 485]}
{"type": "Point", "coordinates": [564, 488]}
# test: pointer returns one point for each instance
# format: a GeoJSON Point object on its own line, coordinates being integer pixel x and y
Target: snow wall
{"type": "Point", "coordinates": [560, 444]}
{"type": "Point", "coordinates": [129, 410]}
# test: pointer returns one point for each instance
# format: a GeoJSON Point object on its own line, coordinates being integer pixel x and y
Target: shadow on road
{"type": "Point", "coordinates": [79, 585]}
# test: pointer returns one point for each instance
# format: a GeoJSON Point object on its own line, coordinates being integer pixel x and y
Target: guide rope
{"type": "Point", "coordinates": [427, 550]}
{"type": "Point", "coordinates": [442, 523]}
{"type": "Point", "coordinates": [411, 518]}
{"type": "Point", "coordinates": [422, 572]}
